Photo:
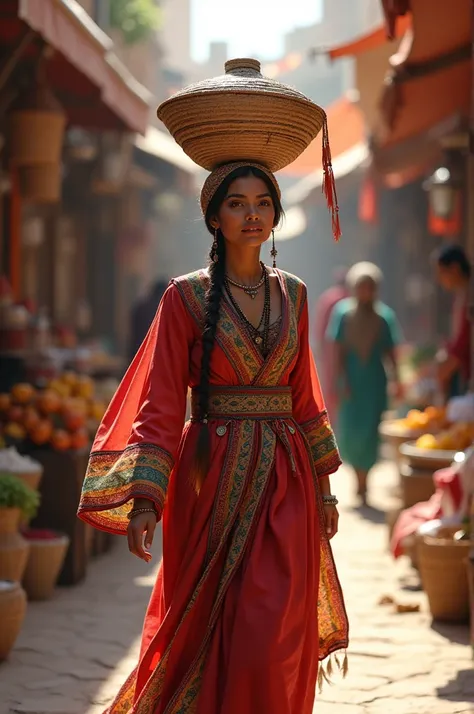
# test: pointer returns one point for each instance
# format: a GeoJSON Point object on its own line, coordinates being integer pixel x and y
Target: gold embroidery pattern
{"type": "Point", "coordinates": [115, 477]}
{"type": "Point", "coordinates": [286, 350]}
{"type": "Point", "coordinates": [231, 483]}
{"type": "Point", "coordinates": [322, 444]}
{"type": "Point", "coordinates": [239, 349]}
{"type": "Point", "coordinates": [247, 403]}
{"type": "Point", "coordinates": [193, 291]}
{"type": "Point", "coordinates": [240, 353]}
{"type": "Point", "coordinates": [333, 627]}
{"type": "Point", "coordinates": [187, 703]}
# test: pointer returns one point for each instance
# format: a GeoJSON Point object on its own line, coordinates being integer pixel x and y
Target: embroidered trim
{"type": "Point", "coordinates": [245, 403]}
{"type": "Point", "coordinates": [115, 477]}
{"type": "Point", "coordinates": [322, 444]}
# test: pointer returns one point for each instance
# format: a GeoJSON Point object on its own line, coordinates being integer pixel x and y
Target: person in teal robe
{"type": "Point", "coordinates": [366, 333]}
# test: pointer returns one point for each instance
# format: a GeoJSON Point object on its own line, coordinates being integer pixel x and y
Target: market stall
{"type": "Point", "coordinates": [54, 426]}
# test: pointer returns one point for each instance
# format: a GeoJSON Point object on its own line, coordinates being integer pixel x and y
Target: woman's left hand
{"type": "Point", "coordinates": [331, 516]}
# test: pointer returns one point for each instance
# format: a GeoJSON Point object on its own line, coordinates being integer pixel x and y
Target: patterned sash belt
{"type": "Point", "coordinates": [265, 403]}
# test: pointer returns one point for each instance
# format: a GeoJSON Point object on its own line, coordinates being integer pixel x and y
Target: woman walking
{"type": "Point", "coordinates": [247, 599]}
{"type": "Point", "coordinates": [366, 334]}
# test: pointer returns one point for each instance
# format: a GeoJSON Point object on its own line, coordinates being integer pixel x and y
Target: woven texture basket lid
{"type": "Point", "coordinates": [242, 115]}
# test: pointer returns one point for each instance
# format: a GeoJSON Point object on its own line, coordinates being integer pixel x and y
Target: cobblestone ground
{"type": "Point", "coordinates": [75, 651]}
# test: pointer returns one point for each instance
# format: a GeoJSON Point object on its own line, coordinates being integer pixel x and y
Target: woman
{"type": "Point", "coordinates": [234, 623]}
{"type": "Point", "coordinates": [366, 334]}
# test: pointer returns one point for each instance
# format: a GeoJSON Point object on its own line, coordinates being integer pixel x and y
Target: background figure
{"type": "Point", "coordinates": [365, 333]}
{"type": "Point", "coordinates": [142, 315]}
{"type": "Point", "coordinates": [454, 362]}
{"type": "Point", "coordinates": [323, 346]}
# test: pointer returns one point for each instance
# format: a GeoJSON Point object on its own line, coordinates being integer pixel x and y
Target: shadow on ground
{"type": "Point", "coordinates": [70, 646]}
{"type": "Point", "coordinates": [370, 513]}
{"type": "Point", "coordinates": [454, 633]}
{"type": "Point", "coordinates": [460, 688]}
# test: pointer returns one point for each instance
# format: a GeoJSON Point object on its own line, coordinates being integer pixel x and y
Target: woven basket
{"type": "Point", "coordinates": [12, 614]}
{"type": "Point", "coordinates": [14, 548]}
{"type": "Point", "coordinates": [44, 565]}
{"type": "Point", "coordinates": [417, 485]}
{"type": "Point", "coordinates": [242, 116]}
{"type": "Point", "coordinates": [442, 563]}
{"type": "Point", "coordinates": [41, 183]}
{"type": "Point", "coordinates": [36, 127]}
{"type": "Point", "coordinates": [36, 137]}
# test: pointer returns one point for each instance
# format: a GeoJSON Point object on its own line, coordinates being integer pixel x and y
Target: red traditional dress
{"type": "Point", "coordinates": [247, 599]}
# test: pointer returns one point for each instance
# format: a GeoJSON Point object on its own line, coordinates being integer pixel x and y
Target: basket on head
{"type": "Point", "coordinates": [242, 115]}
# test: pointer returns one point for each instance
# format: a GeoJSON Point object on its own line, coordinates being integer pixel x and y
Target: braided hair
{"type": "Point", "coordinates": [212, 310]}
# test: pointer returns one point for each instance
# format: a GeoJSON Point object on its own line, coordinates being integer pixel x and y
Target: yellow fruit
{"type": "Point", "coordinates": [445, 442]}
{"type": "Point", "coordinates": [69, 378]}
{"type": "Point", "coordinates": [84, 387]}
{"type": "Point", "coordinates": [61, 388]}
{"type": "Point", "coordinates": [15, 431]}
{"type": "Point", "coordinates": [427, 441]}
{"type": "Point", "coordinates": [97, 410]}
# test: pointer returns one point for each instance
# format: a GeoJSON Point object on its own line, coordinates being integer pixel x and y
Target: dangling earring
{"type": "Point", "coordinates": [214, 255]}
{"type": "Point", "coordinates": [274, 251]}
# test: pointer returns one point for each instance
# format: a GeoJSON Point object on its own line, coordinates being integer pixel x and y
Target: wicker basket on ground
{"type": "Point", "coordinates": [417, 485]}
{"type": "Point", "coordinates": [47, 553]}
{"type": "Point", "coordinates": [14, 548]}
{"type": "Point", "coordinates": [12, 614]}
{"type": "Point", "coordinates": [442, 563]}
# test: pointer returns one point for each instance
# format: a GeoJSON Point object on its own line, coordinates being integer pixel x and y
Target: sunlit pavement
{"type": "Point", "coordinates": [76, 650]}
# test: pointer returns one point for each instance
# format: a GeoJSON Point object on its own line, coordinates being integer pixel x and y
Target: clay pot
{"type": "Point", "coordinates": [14, 548]}
{"type": "Point", "coordinates": [44, 565]}
{"type": "Point", "coordinates": [12, 614]}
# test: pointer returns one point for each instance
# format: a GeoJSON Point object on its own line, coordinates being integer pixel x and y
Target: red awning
{"type": "Point", "coordinates": [95, 89]}
{"type": "Point", "coordinates": [430, 77]}
{"type": "Point", "coordinates": [369, 41]}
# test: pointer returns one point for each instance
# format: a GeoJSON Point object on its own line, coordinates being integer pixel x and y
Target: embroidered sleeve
{"type": "Point", "coordinates": [137, 443]}
{"type": "Point", "coordinates": [322, 443]}
{"type": "Point", "coordinates": [115, 478]}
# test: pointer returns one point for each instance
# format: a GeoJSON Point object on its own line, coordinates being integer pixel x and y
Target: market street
{"type": "Point", "coordinates": [75, 650]}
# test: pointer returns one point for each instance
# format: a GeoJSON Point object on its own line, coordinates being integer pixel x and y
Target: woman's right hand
{"type": "Point", "coordinates": [139, 525]}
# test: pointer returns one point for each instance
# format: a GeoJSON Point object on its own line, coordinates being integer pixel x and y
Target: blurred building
{"type": "Point", "coordinates": [84, 234]}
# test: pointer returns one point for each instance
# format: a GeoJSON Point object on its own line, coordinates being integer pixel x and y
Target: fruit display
{"type": "Point", "coordinates": [457, 437]}
{"type": "Point", "coordinates": [429, 421]}
{"type": "Point", "coordinates": [64, 416]}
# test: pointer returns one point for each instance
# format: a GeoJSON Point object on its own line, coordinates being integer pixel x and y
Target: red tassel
{"type": "Point", "coordinates": [329, 183]}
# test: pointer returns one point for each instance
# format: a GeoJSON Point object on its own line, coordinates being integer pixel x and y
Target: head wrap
{"type": "Point", "coordinates": [215, 179]}
{"type": "Point", "coordinates": [364, 271]}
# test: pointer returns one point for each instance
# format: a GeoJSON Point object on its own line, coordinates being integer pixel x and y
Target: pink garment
{"type": "Point", "coordinates": [412, 518]}
{"type": "Point", "coordinates": [325, 349]}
